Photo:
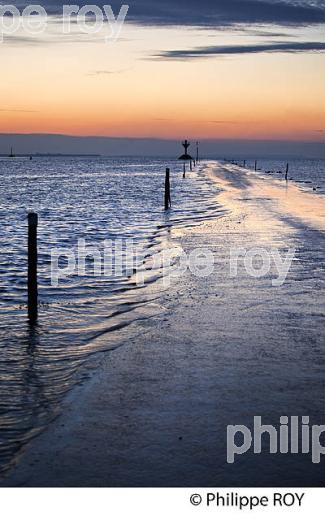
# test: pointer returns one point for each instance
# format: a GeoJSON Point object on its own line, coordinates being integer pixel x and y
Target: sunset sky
{"type": "Point", "coordinates": [247, 70]}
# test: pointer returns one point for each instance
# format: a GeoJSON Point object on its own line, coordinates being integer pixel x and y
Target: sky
{"type": "Point", "coordinates": [222, 69]}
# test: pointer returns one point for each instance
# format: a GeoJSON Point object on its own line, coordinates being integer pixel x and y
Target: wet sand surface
{"type": "Point", "coordinates": [155, 411]}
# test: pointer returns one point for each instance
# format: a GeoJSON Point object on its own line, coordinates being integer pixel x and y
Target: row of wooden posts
{"type": "Point", "coordinates": [32, 246]}
{"type": "Point", "coordinates": [255, 167]}
{"type": "Point", "coordinates": [32, 284]}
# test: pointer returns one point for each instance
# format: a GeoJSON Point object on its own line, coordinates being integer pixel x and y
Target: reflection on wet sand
{"type": "Point", "coordinates": [275, 199]}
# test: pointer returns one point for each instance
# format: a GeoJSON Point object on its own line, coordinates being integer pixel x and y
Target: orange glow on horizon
{"type": "Point", "coordinates": [96, 89]}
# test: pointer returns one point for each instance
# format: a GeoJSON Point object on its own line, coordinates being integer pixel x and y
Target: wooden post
{"type": "Point", "coordinates": [184, 170]}
{"type": "Point", "coordinates": [287, 171]}
{"type": "Point", "coordinates": [32, 268]}
{"type": "Point", "coordinates": [191, 168]}
{"type": "Point", "coordinates": [256, 166]}
{"type": "Point", "coordinates": [167, 190]}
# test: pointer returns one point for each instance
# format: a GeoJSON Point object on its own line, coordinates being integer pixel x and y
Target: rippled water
{"type": "Point", "coordinates": [94, 199]}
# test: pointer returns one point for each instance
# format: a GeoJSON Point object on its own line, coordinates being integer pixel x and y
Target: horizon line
{"type": "Point", "coordinates": [171, 139]}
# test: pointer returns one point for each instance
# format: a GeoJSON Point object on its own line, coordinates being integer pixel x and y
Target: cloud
{"type": "Point", "coordinates": [231, 122]}
{"type": "Point", "coordinates": [106, 72]}
{"type": "Point", "coordinates": [18, 110]}
{"type": "Point", "coordinates": [230, 50]}
{"type": "Point", "coordinates": [49, 39]}
{"type": "Point", "coordinates": [21, 40]}
{"type": "Point", "coordinates": [213, 13]}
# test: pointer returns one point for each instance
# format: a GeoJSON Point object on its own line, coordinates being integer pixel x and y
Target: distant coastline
{"type": "Point", "coordinates": [4, 156]}
{"type": "Point", "coordinates": [69, 145]}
